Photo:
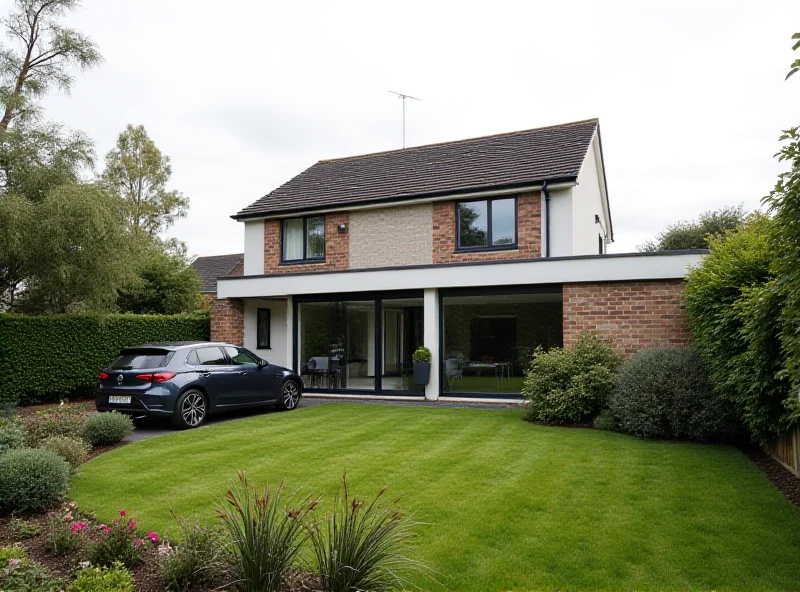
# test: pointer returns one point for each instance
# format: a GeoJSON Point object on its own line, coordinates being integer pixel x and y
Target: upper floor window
{"type": "Point", "coordinates": [303, 239]}
{"type": "Point", "coordinates": [487, 224]}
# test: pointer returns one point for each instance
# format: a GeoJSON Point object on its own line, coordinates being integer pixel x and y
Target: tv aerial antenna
{"type": "Point", "coordinates": [404, 97]}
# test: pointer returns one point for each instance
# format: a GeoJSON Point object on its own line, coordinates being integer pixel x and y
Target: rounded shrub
{"type": "Point", "coordinates": [12, 435]}
{"type": "Point", "coordinates": [32, 480]}
{"type": "Point", "coordinates": [666, 393]}
{"type": "Point", "coordinates": [72, 450]}
{"type": "Point", "coordinates": [106, 428]}
{"type": "Point", "coordinates": [570, 385]}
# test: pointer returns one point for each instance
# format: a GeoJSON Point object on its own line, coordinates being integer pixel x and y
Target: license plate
{"type": "Point", "coordinates": [119, 400]}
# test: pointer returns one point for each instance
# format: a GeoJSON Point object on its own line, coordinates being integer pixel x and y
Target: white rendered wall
{"type": "Point", "coordinates": [560, 224]}
{"type": "Point", "coordinates": [586, 203]}
{"type": "Point", "coordinates": [431, 339]}
{"type": "Point", "coordinates": [278, 336]}
{"type": "Point", "coordinates": [254, 248]}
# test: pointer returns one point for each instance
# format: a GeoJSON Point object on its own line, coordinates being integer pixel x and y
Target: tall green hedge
{"type": "Point", "coordinates": [44, 358]}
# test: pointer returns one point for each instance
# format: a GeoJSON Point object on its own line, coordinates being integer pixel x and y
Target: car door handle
{"type": "Point", "coordinates": [206, 374]}
{"type": "Point", "coordinates": [243, 373]}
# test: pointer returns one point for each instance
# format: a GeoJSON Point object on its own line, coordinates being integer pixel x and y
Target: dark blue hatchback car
{"type": "Point", "coordinates": [188, 381]}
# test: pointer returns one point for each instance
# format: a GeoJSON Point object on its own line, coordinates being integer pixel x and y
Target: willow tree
{"type": "Point", "coordinates": [42, 55]}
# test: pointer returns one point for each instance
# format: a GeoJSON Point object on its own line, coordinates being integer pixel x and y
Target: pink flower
{"type": "Point", "coordinates": [132, 523]}
{"type": "Point", "coordinates": [13, 563]}
{"type": "Point", "coordinates": [68, 517]}
{"type": "Point", "coordinates": [137, 543]}
{"type": "Point", "coordinates": [105, 529]}
{"type": "Point", "coordinates": [78, 526]}
{"type": "Point", "coordinates": [153, 537]}
{"type": "Point", "coordinates": [122, 513]}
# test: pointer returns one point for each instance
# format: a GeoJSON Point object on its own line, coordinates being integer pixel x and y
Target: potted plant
{"type": "Point", "coordinates": [422, 365]}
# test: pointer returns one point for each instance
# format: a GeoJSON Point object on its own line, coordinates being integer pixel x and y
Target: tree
{"type": "Point", "coordinates": [696, 234]}
{"type": "Point", "coordinates": [795, 64]}
{"type": "Point", "coordinates": [166, 283]}
{"type": "Point", "coordinates": [39, 157]}
{"type": "Point", "coordinates": [41, 56]}
{"type": "Point", "coordinates": [138, 172]}
{"type": "Point", "coordinates": [77, 252]}
{"type": "Point", "coordinates": [16, 214]}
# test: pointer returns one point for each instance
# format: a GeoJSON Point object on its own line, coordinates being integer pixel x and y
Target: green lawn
{"type": "Point", "coordinates": [509, 505]}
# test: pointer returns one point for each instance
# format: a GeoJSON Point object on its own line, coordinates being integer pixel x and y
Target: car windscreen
{"type": "Point", "coordinates": [137, 359]}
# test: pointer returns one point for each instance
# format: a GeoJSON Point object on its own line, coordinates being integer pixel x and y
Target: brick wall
{"type": "Point", "coordinates": [529, 232]}
{"type": "Point", "coordinates": [387, 237]}
{"type": "Point", "coordinates": [632, 315]}
{"type": "Point", "coordinates": [227, 321]}
{"type": "Point", "coordinates": [337, 247]}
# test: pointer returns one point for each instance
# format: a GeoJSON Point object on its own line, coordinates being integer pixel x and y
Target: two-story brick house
{"type": "Point", "coordinates": [480, 249]}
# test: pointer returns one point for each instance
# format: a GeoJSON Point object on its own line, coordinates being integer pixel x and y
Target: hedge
{"type": "Point", "coordinates": [44, 358]}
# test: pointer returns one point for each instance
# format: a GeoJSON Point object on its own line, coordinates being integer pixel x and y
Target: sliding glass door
{"type": "Point", "coordinates": [361, 344]}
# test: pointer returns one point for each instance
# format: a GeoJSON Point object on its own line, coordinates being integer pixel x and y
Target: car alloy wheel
{"type": "Point", "coordinates": [291, 394]}
{"type": "Point", "coordinates": [193, 409]}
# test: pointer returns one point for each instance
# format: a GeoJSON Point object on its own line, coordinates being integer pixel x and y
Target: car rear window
{"type": "Point", "coordinates": [139, 359]}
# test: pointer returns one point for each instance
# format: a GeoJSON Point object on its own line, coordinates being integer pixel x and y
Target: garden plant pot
{"type": "Point", "coordinates": [422, 373]}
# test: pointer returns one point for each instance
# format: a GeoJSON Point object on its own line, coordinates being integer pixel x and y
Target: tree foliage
{"type": "Point", "coordinates": [795, 64]}
{"type": "Point", "coordinates": [41, 56]}
{"type": "Point", "coordinates": [78, 250]}
{"type": "Point", "coordinates": [696, 234]}
{"type": "Point", "coordinates": [166, 283]}
{"type": "Point", "coordinates": [137, 171]}
{"type": "Point", "coordinates": [733, 310]}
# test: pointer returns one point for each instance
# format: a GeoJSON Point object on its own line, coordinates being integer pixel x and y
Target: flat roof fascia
{"type": "Point", "coordinates": [556, 270]}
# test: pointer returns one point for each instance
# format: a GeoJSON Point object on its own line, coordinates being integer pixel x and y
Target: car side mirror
{"type": "Point", "coordinates": [262, 364]}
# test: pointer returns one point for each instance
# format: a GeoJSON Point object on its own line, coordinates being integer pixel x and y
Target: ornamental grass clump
{"type": "Point", "coordinates": [364, 546]}
{"type": "Point", "coordinates": [196, 558]}
{"type": "Point", "coordinates": [265, 535]}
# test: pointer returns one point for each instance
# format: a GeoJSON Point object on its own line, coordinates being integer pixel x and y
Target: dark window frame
{"type": "Point", "coordinates": [306, 258]}
{"type": "Point", "coordinates": [259, 341]}
{"type": "Point", "coordinates": [488, 246]}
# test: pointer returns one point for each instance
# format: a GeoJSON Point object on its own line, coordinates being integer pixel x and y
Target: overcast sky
{"type": "Point", "coordinates": [245, 95]}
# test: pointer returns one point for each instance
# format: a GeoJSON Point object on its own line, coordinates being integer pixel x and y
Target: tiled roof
{"type": "Point", "coordinates": [491, 162]}
{"type": "Point", "coordinates": [211, 268]}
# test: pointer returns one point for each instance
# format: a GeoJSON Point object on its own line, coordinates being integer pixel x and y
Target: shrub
{"type": "Point", "coordinates": [195, 561]}
{"type": "Point", "coordinates": [16, 552]}
{"type": "Point", "coordinates": [12, 435]}
{"type": "Point", "coordinates": [32, 480]}
{"type": "Point", "coordinates": [106, 428]}
{"type": "Point", "coordinates": [666, 393]}
{"type": "Point", "coordinates": [363, 546]}
{"type": "Point", "coordinates": [63, 420]}
{"type": "Point", "coordinates": [734, 309]}
{"type": "Point", "coordinates": [72, 450]}
{"type": "Point", "coordinates": [605, 421]}
{"type": "Point", "coordinates": [103, 579]}
{"type": "Point", "coordinates": [120, 542]}
{"type": "Point", "coordinates": [21, 529]}
{"type": "Point", "coordinates": [24, 575]}
{"type": "Point", "coordinates": [52, 356]}
{"type": "Point", "coordinates": [422, 354]}
{"type": "Point", "coordinates": [66, 535]}
{"type": "Point", "coordinates": [265, 535]}
{"type": "Point", "coordinates": [570, 385]}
